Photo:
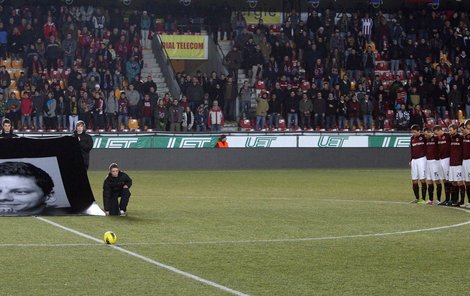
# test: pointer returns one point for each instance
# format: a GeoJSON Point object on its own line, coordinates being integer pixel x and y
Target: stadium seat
{"type": "Point", "coordinates": [430, 122]}
{"type": "Point", "coordinates": [245, 124]}
{"type": "Point", "coordinates": [390, 114]}
{"type": "Point", "coordinates": [133, 124]}
{"type": "Point", "coordinates": [427, 113]}
{"type": "Point", "coordinates": [260, 85]}
{"type": "Point", "coordinates": [282, 124]}
{"type": "Point", "coordinates": [17, 64]}
{"type": "Point", "coordinates": [388, 124]}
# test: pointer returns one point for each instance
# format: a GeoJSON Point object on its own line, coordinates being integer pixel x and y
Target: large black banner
{"type": "Point", "coordinates": [44, 177]}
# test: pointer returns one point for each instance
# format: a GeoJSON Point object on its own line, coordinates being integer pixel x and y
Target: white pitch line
{"type": "Point", "coordinates": [305, 239]}
{"type": "Point", "coordinates": [46, 245]}
{"type": "Point", "coordinates": [146, 259]}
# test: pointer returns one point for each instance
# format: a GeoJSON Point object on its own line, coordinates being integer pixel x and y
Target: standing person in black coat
{"type": "Point", "coordinates": [85, 140]}
{"type": "Point", "coordinates": [116, 185]}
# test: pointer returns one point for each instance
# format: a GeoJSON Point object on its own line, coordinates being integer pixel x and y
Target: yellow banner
{"type": "Point", "coordinates": [269, 17]}
{"type": "Point", "coordinates": [185, 47]}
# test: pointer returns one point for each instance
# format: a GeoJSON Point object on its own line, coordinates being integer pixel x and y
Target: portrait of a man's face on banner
{"type": "Point", "coordinates": [44, 177]}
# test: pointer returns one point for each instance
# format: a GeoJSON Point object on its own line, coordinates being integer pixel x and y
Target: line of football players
{"type": "Point", "coordinates": [441, 160]}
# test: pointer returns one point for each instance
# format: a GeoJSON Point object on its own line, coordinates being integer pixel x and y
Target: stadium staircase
{"type": "Point", "coordinates": [152, 68]}
{"type": "Point", "coordinates": [226, 46]}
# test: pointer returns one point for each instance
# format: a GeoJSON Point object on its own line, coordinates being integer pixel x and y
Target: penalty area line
{"type": "Point", "coordinates": [146, 259]}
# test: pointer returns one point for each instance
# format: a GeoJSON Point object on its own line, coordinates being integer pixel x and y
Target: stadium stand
{"type": "Point", "coordinates": [102, 58]}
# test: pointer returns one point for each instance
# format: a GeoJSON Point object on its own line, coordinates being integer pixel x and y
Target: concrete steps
{"type": "Point", "coordinates": [152, 68]}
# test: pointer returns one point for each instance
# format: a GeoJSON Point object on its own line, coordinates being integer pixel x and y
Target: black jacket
{"type": "Point", "coordinates": [86, 143]}
{"type": "Point", "coordinates": [115, 184]}
{"type": "Point", "coordinates": [4, 135]}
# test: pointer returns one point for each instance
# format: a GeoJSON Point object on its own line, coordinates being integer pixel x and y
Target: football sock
{"type": "Point", "coordinates": [416, 190]}
{"type": "Point", "coordinates": [454, 194]}
{"type": "Point", "coordinates": [447, 188]}
{"type": "Point", "coordinates": [431, 191]}
{"type": "Point", "coordinates": [423, 191]}
{"type": "Point", "coordinates": [462, 194]}
{"type": "Point", "coordinates": [468, 193]}
{"type": "Point", "coordinates": [439, 191]}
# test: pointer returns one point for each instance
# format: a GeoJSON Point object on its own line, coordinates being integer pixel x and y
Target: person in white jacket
{"type": "Point", "coordinates": [216, 117]}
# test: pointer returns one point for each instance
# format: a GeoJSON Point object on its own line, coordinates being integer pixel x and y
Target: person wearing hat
{"type": "Point", "coordinates": [85, 141]}
{"type": "Point", "coordinates": [116, 184]}
{"type": "Point", "coordinates": [222, 142]}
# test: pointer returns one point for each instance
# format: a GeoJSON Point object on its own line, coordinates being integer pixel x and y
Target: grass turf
{"type": "Point", "coordinates": [240, 229]}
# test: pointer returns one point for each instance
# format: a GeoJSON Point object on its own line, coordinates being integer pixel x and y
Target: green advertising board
{"type": "Point", "coordinates": [252, 141]}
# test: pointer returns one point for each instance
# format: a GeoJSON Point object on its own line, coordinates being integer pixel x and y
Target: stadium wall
{"type": "Point", "coordinates": [250, 158]}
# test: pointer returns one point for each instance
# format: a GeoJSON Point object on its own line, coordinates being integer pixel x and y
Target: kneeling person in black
{"type": "Point", "coordinates": [116, 185]}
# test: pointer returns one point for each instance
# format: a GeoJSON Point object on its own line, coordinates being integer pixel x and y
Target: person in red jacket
{"type": "Point", "coordinates": [49, 28]}
{"type": "Point", "coordinates": [26, 109]}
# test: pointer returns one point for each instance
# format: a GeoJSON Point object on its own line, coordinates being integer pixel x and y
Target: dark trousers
{"type": "Point", "coordinates": [112, 205]}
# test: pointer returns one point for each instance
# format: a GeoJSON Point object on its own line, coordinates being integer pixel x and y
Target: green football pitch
{"type": "Point", "coordinates": [282, 232]}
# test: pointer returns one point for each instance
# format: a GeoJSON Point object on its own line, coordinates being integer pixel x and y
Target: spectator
{"type": "Point", "coordinates": [367, 108]}
{"type": "Point", "coordinates": [331, 111]}
{"type": "Point", "coordinates": [262, 107]}
{"type": "Point", "coordinates": [188, 120]}
{"type": "Point", "coordinates": [342, 112]}
{"type": "Point", "coordinates": [38, 110]}
{"type": "Point", "coordinates": [161, 115]}
{"type": "Point", "coordinates": [52, 52]}
{"type": "Point", "coordinates": [275, 110]}
{"type": "Point", "coordinates": [72, 112]}
{"type": "Point", "coordinates": [3, 106]}
{"type": "Point", "coordinates": [26, 110]}
{"type": "Point", "coordinates": [5, 80]}
{"type": "Point", "coordinates": [200, 119]}
{"type": "Point", "coordinates": [230, 93]}
{"type": "Point", "coordinates": [50, 117]}
{"type": "Point", "coordinates": [175, 117]}
{"type": "Point", "coordinates": [98, 111]}
{"type": "Point", "coordinates": [319, 111]}
{"type": "Point", "coordinates": [85, 107]}
{"type": "Point", "coordinates": [417, 117]}
{"type": "Point", "coordinates": [455, 101]}
{"type": "Point", "coordinates": [13, 110]}
{"type": "Point", "coordinates": [147, 112]}
{"type": "Point", "coordinates": [402, 118]}
{"type": "Point", "coordinates": [305, 109]}
{"type": "Point", "coordinates": [194, 92]}
{"type": "Point", "coordinates": [233, 61]}
{"type": "Point", "coordinates": [353, 65]}
{"type": "Point", "coordinates": [132, 68]}
{"type": "Point", "coordinates": [123, 112]}
{"type": "Point", "coordinates": [441, 101]}
{"type": "Point", "coordinates": [111, 110]}
{"type": "Point", "coordinates": [134, 101]}
{"type": "Point", "coordinates": [354, 111]}
{"type": "Point", "coordinates": [292, 108]}
{"type": "Point", "coordinates": [145, 23]}
{"type": "Point", "coordinates": [69, 46]}
{"type": "Point", "coordinates": [215, 117]}
{"type": "Point", "coordinates": [98, 21]}
{"type": "Point", "coordinates": [62, 115]}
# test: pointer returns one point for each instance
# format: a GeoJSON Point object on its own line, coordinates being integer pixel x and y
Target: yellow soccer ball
{"type": "Point", "coordinates": [110, 238]}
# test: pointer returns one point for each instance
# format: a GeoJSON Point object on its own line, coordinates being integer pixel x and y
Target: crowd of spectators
{"type": "Point", "coordinates": [334, 70]}
{"type": "Point", "coordinates": [358, 70]}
